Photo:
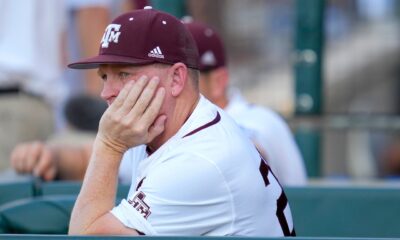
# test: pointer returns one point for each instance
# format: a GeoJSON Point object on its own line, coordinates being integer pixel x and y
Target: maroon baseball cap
{"type": "Point", "coordinates": [142, 37]}
{"type": "Point", "coordinates": [209, 44]}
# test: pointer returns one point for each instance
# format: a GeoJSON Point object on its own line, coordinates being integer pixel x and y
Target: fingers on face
{"type": "Point", "coordinates": [145, 99]}
{"type": "Point", "coordinates": [151, 117]}
{"type": "Point", "coordinates": [122, 95]}
{"type": "Point", "coordinates": [145, 108]}
{"type": "Point", "coordinates": [157, 128]}
{"type": "Point", "coordinates": [139, 103]}
{"type": "Point", "coordinates": [135, 97]}
{"type": "Point", "coordinates": [136, 92]}
{"type": "Point", "coordinates": [153, 109]}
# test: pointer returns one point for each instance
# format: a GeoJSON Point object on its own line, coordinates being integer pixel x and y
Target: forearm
{"type": "Point", "coordinates": [97, 196]}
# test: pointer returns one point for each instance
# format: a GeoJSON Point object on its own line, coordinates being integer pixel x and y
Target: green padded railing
{"type": "Point", "coordinates": [345, 211]}
{"type": "Point", "coordinates": [11, 191]}
{"type": "Point", "coordinates": [38, 215]}
{"type": "Point", "coordinates": [45, 210]}
{"type": "Point", "coordinates": [15, 190]}
{"type": "Point", "coordinates": [40, 207]}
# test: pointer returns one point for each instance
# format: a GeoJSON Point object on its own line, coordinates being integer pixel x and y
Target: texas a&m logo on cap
{"type": "Point", "coordinates": [110, 35]}
{"type": "Point", "coordinates": [138, 203]}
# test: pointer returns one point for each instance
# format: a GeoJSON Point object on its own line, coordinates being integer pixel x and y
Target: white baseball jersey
{"type": "Point", "coordinates": [129, 164]}
{"type": "Point", "coordinates": [271, 133]}
{"type": "Point", "coordinates": [208, 179]}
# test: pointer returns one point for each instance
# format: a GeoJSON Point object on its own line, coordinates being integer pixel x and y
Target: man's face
{"type": "Point", "coordinates": [116, 76]}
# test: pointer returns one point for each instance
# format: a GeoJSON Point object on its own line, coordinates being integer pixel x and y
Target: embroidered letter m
{"type": "Point", "coordinates": [110, 35]}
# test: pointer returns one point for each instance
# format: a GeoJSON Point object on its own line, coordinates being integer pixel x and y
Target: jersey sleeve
{"type": "Point", "coordinates": [179, 197]}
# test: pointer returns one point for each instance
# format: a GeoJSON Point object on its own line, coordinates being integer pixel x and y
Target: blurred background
{"type": "Point", "coordinates": [330, 68]}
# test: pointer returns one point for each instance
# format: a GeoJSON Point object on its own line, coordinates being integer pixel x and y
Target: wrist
{"type": "Point", "coordinates": [104, 158]}
{"type": "Point", "coordinates": [105, 148]}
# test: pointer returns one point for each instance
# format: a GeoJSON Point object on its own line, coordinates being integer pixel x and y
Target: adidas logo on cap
{"type": "Point", "coordinates": [156, 52]}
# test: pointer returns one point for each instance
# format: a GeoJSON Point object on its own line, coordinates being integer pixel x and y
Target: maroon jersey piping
{"type": "Point", "coordinates": [215, 121]}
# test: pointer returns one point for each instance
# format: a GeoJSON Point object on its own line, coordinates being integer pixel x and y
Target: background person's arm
{"type": "Point", "coordinates": [51, 162]}
{"type": "Point", "coordinates": [72, 161]}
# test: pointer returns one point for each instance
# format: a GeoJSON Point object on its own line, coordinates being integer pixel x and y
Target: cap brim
{"type": "Point", "coordinates": [95, 62]}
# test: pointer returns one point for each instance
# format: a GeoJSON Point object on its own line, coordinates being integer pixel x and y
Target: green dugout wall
{"type": "Point", "coordinates": [308, 64]}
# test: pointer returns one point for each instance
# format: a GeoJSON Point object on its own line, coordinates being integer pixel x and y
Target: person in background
{"type": "Point", "coordinates": [31, 86]}
{"type": "Point", "coordinates": [35, 87]}
{"type": "Point", "coordinates": [266, 129]}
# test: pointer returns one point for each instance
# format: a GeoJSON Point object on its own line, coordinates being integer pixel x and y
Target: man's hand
{"type": "Point", "coordinates": [34, 157]}
{"type": "Point", "coordinates": [133, 118]}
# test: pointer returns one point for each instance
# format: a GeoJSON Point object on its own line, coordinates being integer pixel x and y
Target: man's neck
{"type": "Point", "coordinates": [182, 111]}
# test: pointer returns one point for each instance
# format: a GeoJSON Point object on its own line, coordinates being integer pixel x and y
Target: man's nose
{"type": "Point", "coordinates": [110, 89]}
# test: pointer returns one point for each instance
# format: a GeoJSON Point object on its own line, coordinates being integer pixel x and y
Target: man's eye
{"type": "Point", "coordinates": [124, 75]}
{"type": "Point", "coordinates": [103, 77]}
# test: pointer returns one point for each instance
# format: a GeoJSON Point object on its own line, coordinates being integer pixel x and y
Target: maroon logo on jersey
{"type": "Point", "coordinates": [139, 184]}
{"type": "Point", "coordinates": [138, 203]}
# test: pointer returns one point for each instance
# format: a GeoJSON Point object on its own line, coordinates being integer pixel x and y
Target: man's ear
{"type": "Point", "coordinates": [179, 74]}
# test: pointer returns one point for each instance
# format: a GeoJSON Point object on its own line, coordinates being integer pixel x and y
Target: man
{"type": "Point", "coordinates": [202, 176]}
{"type": "Point", "coordinates": [267, 130]}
